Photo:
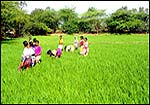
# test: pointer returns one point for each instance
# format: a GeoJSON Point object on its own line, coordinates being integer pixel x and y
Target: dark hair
{"type": "Point", "coordinates": [81, 37]}
{"type": "Point", "coordinates": [34, 40]}
{"type": "Point", "coordinates": [25, 43]}
{"type": "Point", "coordinates": [37, 41]}
{"type": "Point", "coordinates": [86, 38]}
{"type": "Point", "coordinates": [65, 47]}
{"type": "Point", "coordinates": [49, 52]}
{"type": "Point", "coordinates": [31, 43]}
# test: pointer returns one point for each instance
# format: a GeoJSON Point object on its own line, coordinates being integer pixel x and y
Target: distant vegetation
{"type": "Point", "coordinates": [15, 22]}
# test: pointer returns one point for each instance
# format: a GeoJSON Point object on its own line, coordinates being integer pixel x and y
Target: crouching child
{"type": "Point", "coordinates": [55, 53]}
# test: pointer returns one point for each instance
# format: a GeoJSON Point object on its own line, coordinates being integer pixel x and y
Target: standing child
{"type": "Point", "coordinates": [38, 51]}
{"type": "Point", "coordinates": [81, 41]}
{"type": "Point", "coordinates": [86, 49]}
{"type": "Point", "coordinates": [81, 44]}
{"type": "Point", "coordinates": [75, 42]}
{"type": "Point", "coordinates": [61, 43]}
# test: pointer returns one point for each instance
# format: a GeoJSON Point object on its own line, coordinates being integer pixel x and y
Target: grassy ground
{"type": "Point", "coordinates": [115, 71]}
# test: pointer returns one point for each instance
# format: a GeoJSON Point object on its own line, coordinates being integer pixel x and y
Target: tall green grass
{"type": "Point", "coordinates": [115, 71]}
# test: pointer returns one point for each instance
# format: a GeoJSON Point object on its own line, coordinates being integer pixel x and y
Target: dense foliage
{"type": "Point", "coordinates": [124, 20]}
{"type": "Point", "coordinates": [15, 19]}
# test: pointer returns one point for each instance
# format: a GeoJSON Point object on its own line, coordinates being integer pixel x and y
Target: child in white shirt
{"type": "Point", "coordinates": [26, 57]}
{"type": "Point", "coordinates": [75, 42]}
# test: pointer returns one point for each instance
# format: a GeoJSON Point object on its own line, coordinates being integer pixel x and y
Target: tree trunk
{"type": "Point", "coordinates": [46, 33]}
{"type": "Point", "coordinates": [1, 31]}
{"type": "Point", "coordinates": [97, 29]}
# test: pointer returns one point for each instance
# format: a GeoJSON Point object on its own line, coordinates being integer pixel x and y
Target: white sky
{"type": "Point", "coordinates": [82, 6]}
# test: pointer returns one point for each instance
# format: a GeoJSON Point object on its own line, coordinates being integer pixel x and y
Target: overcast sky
{"type": "Point", "coordinates": [82, 6]}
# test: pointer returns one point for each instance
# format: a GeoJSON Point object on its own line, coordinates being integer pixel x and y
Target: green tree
{"type": "Point", "coordinates": [84, 25]}
{"type": "Point", "coordinates": [143, 16]}
{"type": "Point", "coordinates": [12, 17]}
{"type": "Point", "coordinates": [128, 21]}
{"type": "Point", "coordinates": [36, 15]}
{"type": "Point", "coordinates": [118, 21]}
{"type": "Point", "coordinates": [50, 18]}
{"type": "Point", "coordinates": [70, 27]}
{"type": "Point", "coordinates": [95, 17]}
{"type": "Point", "coordinates": [8, 13]}
{"type": "Point", "coordinates": [68, 20]}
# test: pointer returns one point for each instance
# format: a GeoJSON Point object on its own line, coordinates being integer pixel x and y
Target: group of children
{"type": "Point", "coordinates": [31, 54]}
{"type": "Point", "coordinates": [32, 51]}
{"type": "Point", "coordinates": [84, 49]}
{"type": "Point", "coordinates": [83, 45]}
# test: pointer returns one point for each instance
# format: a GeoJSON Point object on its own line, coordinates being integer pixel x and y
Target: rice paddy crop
{"type": "Point", "coordinates": [115, 71]}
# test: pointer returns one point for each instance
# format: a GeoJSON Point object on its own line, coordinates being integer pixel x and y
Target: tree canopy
{"type": "Point", "coordinates": [66, 20]}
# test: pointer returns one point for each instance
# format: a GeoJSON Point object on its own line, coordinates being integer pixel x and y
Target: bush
{"type": "Point", "coordinates": [39, 29]}
{"type": "Point", "coordinates": [70, 27]}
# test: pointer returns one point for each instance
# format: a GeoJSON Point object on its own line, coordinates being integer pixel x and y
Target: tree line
{"type": "Point", "coordinates": [66, 20]}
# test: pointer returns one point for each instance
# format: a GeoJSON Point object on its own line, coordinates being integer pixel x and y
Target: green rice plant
{"type": "Point", "coordinates": [115, 71]}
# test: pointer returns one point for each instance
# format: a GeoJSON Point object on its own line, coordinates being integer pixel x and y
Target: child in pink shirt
{"type": "Point", "coordinates": [38, 51]}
